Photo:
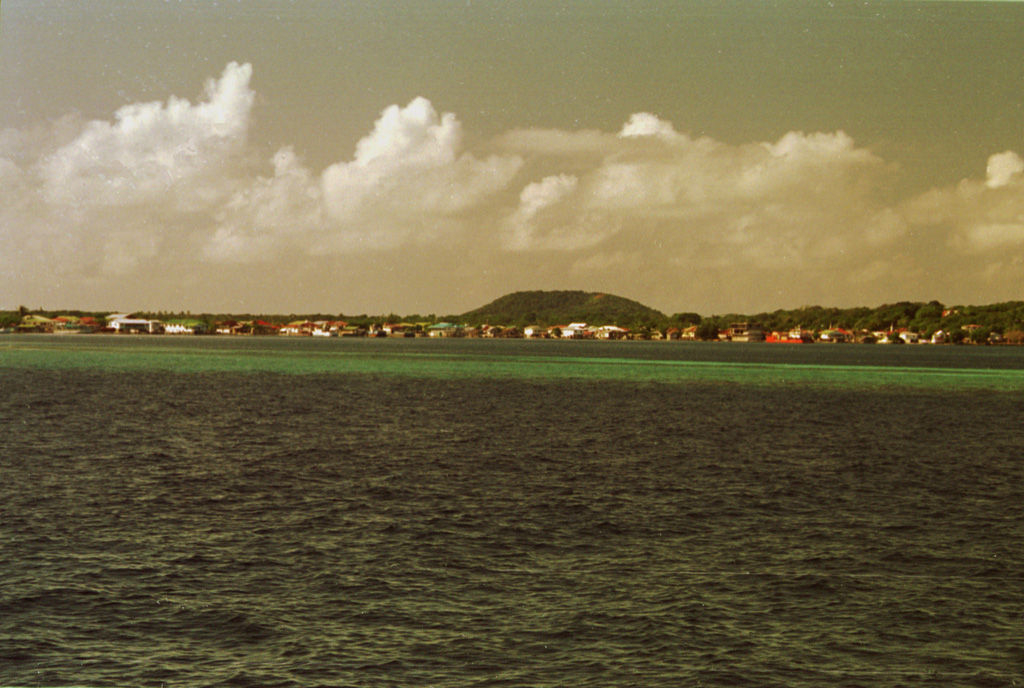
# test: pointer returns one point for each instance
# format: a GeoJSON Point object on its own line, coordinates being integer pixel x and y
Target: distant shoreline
{"type": "Point", "coordinates": [575, 315]}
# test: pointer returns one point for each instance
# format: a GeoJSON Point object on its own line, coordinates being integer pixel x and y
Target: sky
{"type": "Point", "coordinates": [430, 156]}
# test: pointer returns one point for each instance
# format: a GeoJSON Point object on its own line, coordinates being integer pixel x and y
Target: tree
{"type": "Point", "coordinates": [687, 319]}
{"type": "Point", "coordinates": [1014, 337]}
{"type": "Point", "coordinates": [706, 331]}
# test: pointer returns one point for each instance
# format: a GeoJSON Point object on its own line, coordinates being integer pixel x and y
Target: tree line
{"type": "Point", "coordinates": [923, 318]}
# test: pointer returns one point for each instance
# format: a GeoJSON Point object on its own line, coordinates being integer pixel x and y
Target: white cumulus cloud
{"type": "Point", "coordinates": [521, 230]}
{"type": "Point", "coordinates": [110, 197]}
{"type": "Point", "coordinates": [408, 179]}
{"type": "Point", "coordinates": [646, 124]}
{"type": "Point", "coordinates": [1004, 168]}
{"type": "Point", "coordinates": [181, 183]}
{"type": "Point", "coordinates": [978, 217]}
{"type": "Point", "coordinates": [803, 197]}
{"type": "Point", "coordinates": [154, 152]}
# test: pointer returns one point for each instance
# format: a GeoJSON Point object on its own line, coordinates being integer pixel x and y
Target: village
{"type": "Point", "coordinates": [130, 324]}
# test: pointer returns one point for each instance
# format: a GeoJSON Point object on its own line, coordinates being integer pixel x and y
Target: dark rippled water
{"type": "Point", "coordinates": [365, 525]}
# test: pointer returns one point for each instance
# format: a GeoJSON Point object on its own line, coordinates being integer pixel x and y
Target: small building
{"type": "Point", "coordinates": [535, 332]}
{"type": "Point", "coordinates": [611, 332]}
{"type": "Point", "coordinates": [834, 336]}
{"type": "Point", "coordinates": [742, 332]}
{"type": "Point", "coordinates": [328, 328]}
{"type": "Point", "coordinates": [36, 323]}
{"type": "Point", "coordinates": [185, 327]}
{"type": "Point", "coordinates": [398, 330]}
{"type": "Point", "coordinates": [444, 329]}
{"type": "Point", "coordinates": [575, 331]}
{"type": "Point", "coordinates": [298, 328]}
{"type": "Point", "coordinates": [128, 325]}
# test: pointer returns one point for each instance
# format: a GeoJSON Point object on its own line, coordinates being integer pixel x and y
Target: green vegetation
{"type": "Point", "coordinates": [923, 318]}
{"type": "Point", "coordinates": [961, 324]}
{"type": "Point", "coordinates": [563, 307]}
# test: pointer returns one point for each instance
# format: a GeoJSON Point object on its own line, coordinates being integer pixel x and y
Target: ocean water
{"type": "Point", "coordinates": [300, 512]}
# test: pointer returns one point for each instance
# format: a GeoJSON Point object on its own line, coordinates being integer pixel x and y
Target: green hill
{"type": "Point", "coordinates": [562, 307]}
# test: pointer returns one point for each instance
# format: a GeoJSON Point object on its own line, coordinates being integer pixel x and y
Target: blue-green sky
{"type": "Point", "coordinates": [415, 156]}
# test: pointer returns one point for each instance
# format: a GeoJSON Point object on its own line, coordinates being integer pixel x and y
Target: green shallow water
{"type": "Point", "coordinates": [758, 365]}
{"type": "Point", "coordinates": [503, 513]}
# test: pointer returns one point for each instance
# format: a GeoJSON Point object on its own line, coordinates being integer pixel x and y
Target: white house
{"type": "Point", "coordinates": [535, 332]}
{"type": "Point", "coordinates": [185, 327]}
{"type": "Point", "coordinates": [611, 332]}
{"type": "Point", "coordinates": [444, 329]}
{"type": "Point", "coordinates": [124, 325]}
{"type": "Point", "coordinates": [574, 331]}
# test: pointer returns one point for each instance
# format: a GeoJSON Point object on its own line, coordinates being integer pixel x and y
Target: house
{"type": "Point", "coordinates": [797, 335]}
{"type": "Point", "coordinates": [297, 328]}
{"type": "Point", "coordinates": [535, 332]}
{"type": "Point", "coordinates": [445, 329]}
{"type": "Point", "coordinates": [65, 324]}
{"type": "Point", "coordinates": [611, 332]}
{"type": "Point", "coordinates": [575, 331]}
{"type": "Point", "coordinates": [263, 327]}
{"type": "Point", "coordinates": [130, 325]}
{"type": "Point", "coordinates": [36, 323]}
{"type": "Point", "coordinates": [907, 336]}
{"type": "Point", "coordinates": [322, 328]}
{"type": "Point", "coordinates": [328, 328]}
{"type": "Point", "coordinates": [836, 336]}
{"type": "Point", "coordinates": [185, 327]}
{"type": "Point", "coordinates": [742, 332]}
{"type": "Point", "coordinates": [896, 337]}
{"type": "Point", "coordinates": [398, 330]}
{"type": "Point", "coordinates": [90, 323]}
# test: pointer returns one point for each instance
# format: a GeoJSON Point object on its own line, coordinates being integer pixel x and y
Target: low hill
{"type": "Point", "coordinates": [562, 307]}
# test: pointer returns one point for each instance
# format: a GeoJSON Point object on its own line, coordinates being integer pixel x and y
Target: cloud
{"type": "Point", "coordinates": [408, 179]}
{"type": "Point", "coordinates": [154, 152]}
{"type": "Point", "coordinates": [1004, 168]}
{"type": "Point", "coordinates": [181, 183]}
{"type": "Point", "coordinates": [521, 227]}
{"type": "Point", "coordinates": [408, 183]}
{"type": "Point", "coordinates": [803, 197]}
{"type": "Point", "coordinates": [977, 217]}
{"type": "Point", "coordinates": [112, 197]}
{"type": "Point", "coordinates": [646, 124]}
{"type": "Point", "coordinates": [177, 178]}
{"type": "Point", "coordinates": [811, 214]}
{"type": "Point", "coordinates": [268, 216]}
